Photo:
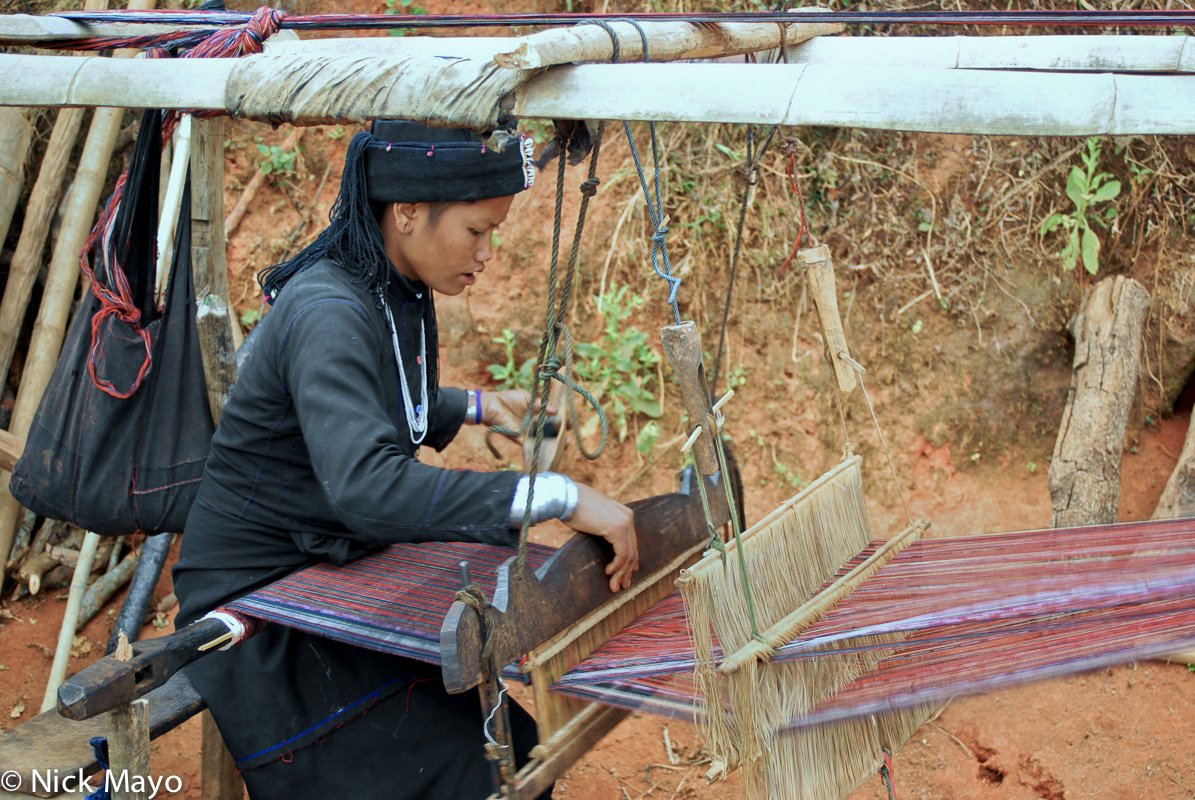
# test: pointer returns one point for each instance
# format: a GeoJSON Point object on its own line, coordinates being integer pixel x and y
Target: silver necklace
{"type": "Point", "coordinates": [416, 413]}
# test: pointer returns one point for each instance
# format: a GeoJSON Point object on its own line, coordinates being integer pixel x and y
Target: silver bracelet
{"type": "Point", "coordinates": [555, 497]}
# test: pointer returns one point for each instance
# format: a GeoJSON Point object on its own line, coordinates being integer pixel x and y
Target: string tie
{"type": "Point", "coordinates": [589, 188]}
{"type": "Point", "coordinates": [549, 369]}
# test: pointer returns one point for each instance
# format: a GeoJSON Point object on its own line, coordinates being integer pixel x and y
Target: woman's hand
{"type": "Point", "coordinates": [507, 409]}
{"type": "Point", "coordinates": [601, 515]}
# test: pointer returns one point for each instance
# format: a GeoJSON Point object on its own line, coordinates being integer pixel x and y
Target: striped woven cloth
{"type": "Point", "coordinates": [393, 601]}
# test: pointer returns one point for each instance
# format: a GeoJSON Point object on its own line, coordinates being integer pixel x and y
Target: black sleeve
{"type": "Point", "coordinates": [447, 417]}
{"type": "Point", "coordinates": [329, 360]}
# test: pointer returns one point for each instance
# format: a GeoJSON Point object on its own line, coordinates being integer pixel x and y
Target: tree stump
{"type": "Point", "coordinates": [1085, 471]}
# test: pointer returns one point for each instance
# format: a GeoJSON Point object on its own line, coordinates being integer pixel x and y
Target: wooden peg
{"type": "Point", "coordinates": [682, 347]}
{"type": "Point", "coordinates": [820, 272]}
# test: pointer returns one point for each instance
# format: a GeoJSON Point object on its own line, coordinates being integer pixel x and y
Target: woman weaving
{"type": "Point", "coordinates": [315, 460]}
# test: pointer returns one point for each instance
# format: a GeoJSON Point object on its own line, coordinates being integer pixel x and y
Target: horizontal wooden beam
{"type": "Point", "coordinates": [329, 89]}
{"type": "Point", "coordinates": [1070, 53]}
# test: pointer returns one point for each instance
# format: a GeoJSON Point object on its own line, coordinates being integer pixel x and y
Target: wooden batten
{"type": "Point", "coordinates": [964, 101]}
{"type": "Point", "coordinates": [208, 268]}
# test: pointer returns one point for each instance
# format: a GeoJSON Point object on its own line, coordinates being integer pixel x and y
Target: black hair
{"type": "Point", "coordinates": [353, 238]}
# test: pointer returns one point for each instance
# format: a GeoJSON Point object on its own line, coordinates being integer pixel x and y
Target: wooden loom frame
{"type": "Point", "coordinates": [567, 729]}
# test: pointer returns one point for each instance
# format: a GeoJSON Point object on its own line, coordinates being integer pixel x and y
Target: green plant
{"type": "Point", "coordinates": [275, 160]}
{"type": "Point", "coordinates": [509, 376]}
{"type": "Point", "coordinates": [1086, 188]}
{"type": "Point", "coordinates": [406, 7]}
{"type": "Point", "coordinates": [620, 368]}
{"type": "Point", "coordinates": [249, 318]}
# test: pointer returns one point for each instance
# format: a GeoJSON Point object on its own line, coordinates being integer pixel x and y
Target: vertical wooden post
{"type": "Point", "coordinates": [1085, 471]}
{"type": "Point", "coordinates": [207, 261]}
{"type": "Point", "coordinates": [209, 272]}
{"type": "Point", "coordinates": [128, 750]}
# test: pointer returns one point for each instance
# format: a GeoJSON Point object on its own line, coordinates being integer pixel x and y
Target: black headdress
{"type": "Point", "coordinates": [404, 162]}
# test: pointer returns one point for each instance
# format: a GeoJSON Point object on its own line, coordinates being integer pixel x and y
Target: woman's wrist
{"type": "Point", "coordinates": [473, 407]}
{"type": "Point", "coordinates": [555, 497]}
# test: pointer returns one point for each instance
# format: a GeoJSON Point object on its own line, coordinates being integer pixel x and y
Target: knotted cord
{"type": "Point", "coordinates": [115, 294]}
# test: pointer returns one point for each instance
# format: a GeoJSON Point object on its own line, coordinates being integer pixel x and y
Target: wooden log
{"type": "Point", "coordinates": [70, 619]}
{"type": "Point", "coordinates": [20, 544]}
{"type": "Point", "coordinates": [52, 316]}
{"type": "Point", "coordinates": [16, 134]}
{"type": "Point", "coordinates": [259, 177]}
{"type": "Point", "coordinates": [1070, 53]}
{"type": "Point", "coordinates": [32, 570]}
{"type": "Point", "coordinates": [1085, 471]}
{"type": "Point", "coordinates": [208, 269]}
{"type": "Point", "coordinates": [102, 589]}
{"type": "Point", "coordinates": [1178, 498]}
{"type": "Point", "coordinates": [335, 89]}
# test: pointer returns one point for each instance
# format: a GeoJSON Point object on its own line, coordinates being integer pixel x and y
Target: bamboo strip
{"type": "Point", "coordinates": [48, 330]}
{"type": "Point", "coordinates": [36, 225]}
{"type": "Point", "coordinates": [16, 134]}
{"type": "Point", "coordinates": [813, 609]}
{"type": "Point", "coordinates": [172, 202]}
{"type": "Point", "coordinates": [66, 634]}
{"type": "Point", "coordinates": [897, 98]}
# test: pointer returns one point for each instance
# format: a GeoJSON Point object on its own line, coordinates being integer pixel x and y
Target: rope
{"type": "Point", "coordinates": [1097, 19]}
{"type": "Point", "coordinates": [751, 179]}
{"type": "Point", "coordinates": [655, 209]}
{"type": "Point", "coordinates": [115, 295]}
{"type": "Point", "coordinates": [886, 773]}
{"type": "Point", "coordinates": [554, 331]}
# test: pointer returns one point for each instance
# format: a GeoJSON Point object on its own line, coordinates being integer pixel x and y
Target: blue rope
{"type": "Point", "coordinates": [659, 251]}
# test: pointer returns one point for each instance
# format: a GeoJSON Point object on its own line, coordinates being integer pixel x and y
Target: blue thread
{"type": "Point", "coordinates": [374, 695]}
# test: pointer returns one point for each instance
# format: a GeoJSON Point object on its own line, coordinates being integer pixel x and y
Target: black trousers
{"type": "Point", "coordinates": [306, 717]}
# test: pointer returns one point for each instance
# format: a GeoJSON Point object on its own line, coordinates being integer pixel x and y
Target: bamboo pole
{"type": "Point", "coordinates": [1070, 53]}
{"type": "Point", "coordinates": [319, 90]}
{"type": "Point", "coordinates": [42, 203]}
{"type": "Point", "coordinates": [66, 634]}
{"type": "Point", "coordinates": [48, 330]}
{"type": "Point", "coordinates": [172, 201]}
{"type": "Point", "coordinates": [16, 134]}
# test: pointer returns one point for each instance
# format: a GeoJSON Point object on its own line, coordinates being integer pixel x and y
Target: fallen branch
{"type": "Point", "coordinates": [101, 591]}
{"type": "Point", "coordinates": [238, 211]}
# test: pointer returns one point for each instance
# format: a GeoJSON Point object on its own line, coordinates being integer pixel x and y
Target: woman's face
{"type": "Point", "coordinates": [445, 250]}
